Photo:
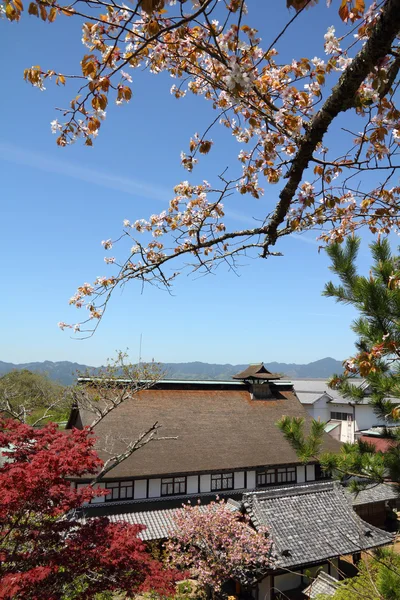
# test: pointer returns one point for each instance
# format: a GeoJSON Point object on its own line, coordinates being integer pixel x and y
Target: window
{"type": "Point", "coordinates": [286, 475]}
{"type": "Point", "coordinates": [120, 490]}
{"type": "Point", "coordinates": [222, 481]}
{"type": "Point", "coordinates": [341, 416]}
{"type": "Point", "coordinates": [173, 485]}
{"type": "Point", "coordinates": [266, 478]}
{"type": "Point", "coordinates": [276, 476]}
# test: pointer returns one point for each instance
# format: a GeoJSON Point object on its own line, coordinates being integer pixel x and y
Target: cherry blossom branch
{"type": "Point", "coordinates": [341, 99]}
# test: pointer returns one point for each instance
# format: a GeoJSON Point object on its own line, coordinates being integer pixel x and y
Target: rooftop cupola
{"type": "Point", "coordinates": [259, 379]}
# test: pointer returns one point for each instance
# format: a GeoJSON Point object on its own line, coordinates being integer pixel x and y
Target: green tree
{"type": "Point", "coordinates": [377, 579]}
{"type": "Point", "coordinates": [32, 397]}
{"type": "Point", "coordinates": [377, 360]}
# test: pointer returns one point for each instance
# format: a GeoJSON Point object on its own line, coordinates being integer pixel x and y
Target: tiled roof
{"type": "Point", "coordinates": [215, 429]}
{"type": "Point", "coordinates": [374, 493]}
{"type": "Point", "coordinates": [311, 397]}
{"type": "Point", "coordinates": [159, 523]}
{"type": "Point", "coordinates": [323, 584]}
{"type": "Point", "coordinates": [311, 523]}
{"type": "Point", "coordinates": [310, 390]}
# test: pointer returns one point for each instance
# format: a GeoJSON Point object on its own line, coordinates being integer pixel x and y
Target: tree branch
{"type": "Point", "coordinates": [341, 99]}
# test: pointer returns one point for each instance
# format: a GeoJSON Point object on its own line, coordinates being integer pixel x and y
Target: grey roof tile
{"type": "Point", "coordinates": [159, 523]}
{"type": "Point", "coordinates": [311, 523]}
{"type": "Point", "coordinates": [374, 493]}
{"type": "Point", "coordinates": [323, 584]}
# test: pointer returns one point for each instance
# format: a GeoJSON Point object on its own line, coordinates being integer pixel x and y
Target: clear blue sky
{"type": "Point", "coordinates": [58, 204]}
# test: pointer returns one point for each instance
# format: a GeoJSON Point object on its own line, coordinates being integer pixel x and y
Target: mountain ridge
{"type": "Point", "coordinates": [65, 371]}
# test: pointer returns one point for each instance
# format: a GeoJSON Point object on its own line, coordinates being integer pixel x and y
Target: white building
{"type": "Point", "coordinates": [346, 419]}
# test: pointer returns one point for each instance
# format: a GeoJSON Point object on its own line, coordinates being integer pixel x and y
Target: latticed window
{"type": "Point", "coordinates": [222, 481]}
{"type": "Point", "coordinates": [267, 477]}
{"type": "Point", "coordinates": [286, 475]}
{"type": "Point", "coordinates": [173, 485]}
{"type": "Point", "coordinates": [120, 490]}
{"type": "Point", "coordinates": [276, 476]}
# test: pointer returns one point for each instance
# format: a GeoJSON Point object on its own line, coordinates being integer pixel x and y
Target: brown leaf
{"type": "Point", "coordinates": [150, 6]}
{"type": "Point", "coordinates": [360, 6]}
{"type": "Point", "coordinates": [344, 11]}
{"type": "Point", "coordinates": [33, 9]}
{"type": "Point", "coordinates": [127, 93]}
{"type": "Point", "coordinates": [11, 13]}
{"type": "Point", "coordinates": [205, 146]}
{"type": "Point", "coordinates": [52, 14]}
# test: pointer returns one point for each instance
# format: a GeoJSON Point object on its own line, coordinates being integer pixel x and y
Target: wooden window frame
{"type": "Point", "coordinates": [172, 483]}
{"type": "Point", "coordinates": [276, 476]}
{"type": "Point", "coordinates": [119, 485]}
{"type": "Point", "coordinates": [221, 478]}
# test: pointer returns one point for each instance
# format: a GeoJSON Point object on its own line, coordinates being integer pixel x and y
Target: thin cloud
{"type": "Point", "coordinates": [15, 154]}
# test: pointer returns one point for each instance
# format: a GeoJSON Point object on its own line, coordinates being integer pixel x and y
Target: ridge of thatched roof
{"type": "Point", "coordinates": [257, 371]}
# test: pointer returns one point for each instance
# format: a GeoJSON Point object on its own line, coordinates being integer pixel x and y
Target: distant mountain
{"type": "Point", "coordinates": [65, 372]}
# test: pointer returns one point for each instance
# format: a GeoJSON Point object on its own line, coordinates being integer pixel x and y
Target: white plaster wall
{"type": "Point", "coordinates": [301, 474]}
{"type": "Point", "coordinates": [205, 483]}
{"type": "Point", "coordinates": [347, 431]}
{"type": "Point", "coordinates": [251, 480]}
{"type": "Point", "coordinates": [238, 480]}
{"type": "Point", "coordinates": [310, 472]}
{"type": "Point", "coordinates": [192, 484]}
{"type": "Point", "coordinates": [140, 488]}
{"type": "Point", "coordinates": [321, 405]}
{"type": "Point", "coordinates": [320, 409]}
{"type": "Point", "coordinates": [154, 488]}
{"type": "Point", "coordinates": [310, 409]}
{"type": "Point", "coordinates": [366, 418]}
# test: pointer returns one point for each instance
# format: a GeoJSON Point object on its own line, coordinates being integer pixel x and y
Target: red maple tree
{"type": "Point", "coordinates": [46, 550]}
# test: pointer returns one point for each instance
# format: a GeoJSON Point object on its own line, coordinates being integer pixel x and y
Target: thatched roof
{"type": "Point", "coordinates": [257, 371]}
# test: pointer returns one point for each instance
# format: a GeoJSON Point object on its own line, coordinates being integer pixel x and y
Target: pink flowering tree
{"type": "Point", "coordinates": [330, 175]}
{"type": "Point", "coordinates": [216, 544]}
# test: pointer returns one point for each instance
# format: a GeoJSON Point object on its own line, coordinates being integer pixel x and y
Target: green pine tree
{"type": "Point", "coordinates": [377, 360]}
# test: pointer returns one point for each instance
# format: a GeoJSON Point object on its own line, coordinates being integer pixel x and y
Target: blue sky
{"type": "Point", "coordinates": [59, 203]}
